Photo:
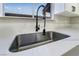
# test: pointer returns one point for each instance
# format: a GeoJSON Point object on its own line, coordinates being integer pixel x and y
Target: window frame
{"type": "Point", "coordinates": [32, 15]}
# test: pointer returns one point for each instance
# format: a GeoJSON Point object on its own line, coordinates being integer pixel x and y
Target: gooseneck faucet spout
{"type": "Point", "coordinates": [44, 17]}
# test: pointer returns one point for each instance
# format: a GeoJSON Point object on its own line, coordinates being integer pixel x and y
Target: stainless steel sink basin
{"type": "Point", "coordinates": [26, 41]}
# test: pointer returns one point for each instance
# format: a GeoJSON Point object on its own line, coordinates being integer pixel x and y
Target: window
{"type": "Point", "coordinates": [23, 9]}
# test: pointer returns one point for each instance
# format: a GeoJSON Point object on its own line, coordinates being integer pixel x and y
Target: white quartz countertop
{"type": "Point", "coordinates": [57, 48]}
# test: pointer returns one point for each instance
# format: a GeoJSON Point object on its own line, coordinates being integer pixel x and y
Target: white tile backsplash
{"type": "Point", "coordinates": [62, 21]}
{"type": "Point", "coordinates": [26, 26]}
{"type": "Point", "coordinates": [74, 21]}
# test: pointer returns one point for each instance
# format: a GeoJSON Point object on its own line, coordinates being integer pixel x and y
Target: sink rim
{"type": "Point", "coordinates": [34, 33]}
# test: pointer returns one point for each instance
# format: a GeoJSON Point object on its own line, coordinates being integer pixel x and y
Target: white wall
{"type": "Point", "coordinates": [1, 9]}
{"type": "Point", "coordinates": [68, 7]}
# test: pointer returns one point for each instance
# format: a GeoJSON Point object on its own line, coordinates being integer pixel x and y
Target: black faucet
{"type": "Point", "coordinates": [44, 17]}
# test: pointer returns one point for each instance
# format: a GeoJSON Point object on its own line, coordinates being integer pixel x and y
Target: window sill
{"type": "Point", "coordinates": [27, 18]}
{"type": "Point", "coordinates": [13, 17]}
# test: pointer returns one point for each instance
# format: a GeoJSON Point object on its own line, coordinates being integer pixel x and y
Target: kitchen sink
{"type": "Point", "coordinates": [26, 41]}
